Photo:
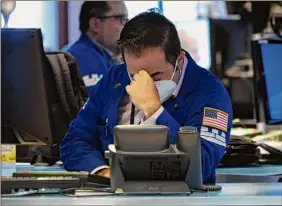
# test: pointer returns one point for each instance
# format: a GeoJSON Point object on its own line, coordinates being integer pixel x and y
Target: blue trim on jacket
{"type": "Point", "coordinates": [93, 61]}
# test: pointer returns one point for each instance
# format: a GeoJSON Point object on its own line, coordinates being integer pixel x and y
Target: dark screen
{"type": "Point", "coordinates": [272, 64]}
{"type": "Point", "coordinates": [25, 105]}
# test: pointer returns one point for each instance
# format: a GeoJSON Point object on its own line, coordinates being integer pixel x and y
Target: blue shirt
{"type": "Point", "coordinates": [202, 102]}
{"type": "Point", "coordinates": [93, 60]}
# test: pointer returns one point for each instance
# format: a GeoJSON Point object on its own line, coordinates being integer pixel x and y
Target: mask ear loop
{"type": "Point", "coordinates": [175, 68]}
{"type": "Point", "coordinates": [129, 76]}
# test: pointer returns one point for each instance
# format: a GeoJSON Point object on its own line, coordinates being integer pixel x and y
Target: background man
{"type": "Point", "coordinates": [96, 50]}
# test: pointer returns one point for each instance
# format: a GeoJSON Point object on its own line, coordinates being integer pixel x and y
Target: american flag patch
{"type": "Point", "coordinates": [215, 118]}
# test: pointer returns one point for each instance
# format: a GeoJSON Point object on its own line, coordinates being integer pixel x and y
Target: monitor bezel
{"type": "Point", "coordinates": [46, 75]}
{"type": "Point", "coordinates": [261, 95]}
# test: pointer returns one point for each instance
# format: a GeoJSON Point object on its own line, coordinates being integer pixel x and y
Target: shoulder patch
{"type": "Point", "coordinates": [213, 135]}
{"type": "Point", "coordinates": [215, 118]}
{"type": "Point", "coordinates": [92, 80]}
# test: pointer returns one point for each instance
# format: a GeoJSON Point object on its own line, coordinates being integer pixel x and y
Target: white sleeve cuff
{"type": "Point", "coordinates": [99, 168]}
{"type": "Point", "coordinates": [152, 120]}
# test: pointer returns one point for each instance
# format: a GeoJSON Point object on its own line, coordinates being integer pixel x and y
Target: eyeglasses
{"type": "Point", "coordinates": [122, 18]}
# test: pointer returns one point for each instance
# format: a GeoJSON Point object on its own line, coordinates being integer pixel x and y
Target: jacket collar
{"type": "Point", "coordinates": [103, 51]}
{"type": "Point", "coordinates": [189, 81]}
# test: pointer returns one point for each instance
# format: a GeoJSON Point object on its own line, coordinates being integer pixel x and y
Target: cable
{"type": "Point", "coordinates": [84, 192]}
{"type": "Point", "coordinates": [207, 188]}
{"type": "Point", "coordinates": [132, 114]}
{"type": "Point", "coordinates": [19, 194]}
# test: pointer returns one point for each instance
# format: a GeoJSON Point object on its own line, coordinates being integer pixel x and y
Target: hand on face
{"type": "Point", "coordinates": [104, 172]}
{"type": "Point", "coordinates": [143, 93]}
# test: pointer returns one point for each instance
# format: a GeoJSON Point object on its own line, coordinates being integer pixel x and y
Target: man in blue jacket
{"type": "Point", "coordinates": [167, 88]}
{"type": "Point", "coordinates": [96, 50]}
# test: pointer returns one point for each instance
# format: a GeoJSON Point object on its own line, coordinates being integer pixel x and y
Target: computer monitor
{"type": "Point", "coordinates": [28, 90]}
{"type": "Point", "coordinates": [230, 41]}
{"type": "Point", "coordinates": [231, 52]}
{"type": "Point", "coordinates": [267, 55]}
{"type": "Point", "coordinates": [195, 38]}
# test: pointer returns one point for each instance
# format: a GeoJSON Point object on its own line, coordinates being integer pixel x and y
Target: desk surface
{"type": "Point", "coordinates": [231, 194]}
{"type": "Point", "coordinates": [7, 170]}
{"type": "Point", "coordinates": [252, 170]}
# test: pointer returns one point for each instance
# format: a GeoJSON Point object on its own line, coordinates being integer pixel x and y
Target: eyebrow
{"type": "Point", "coordinates": [155, 74]}
{"type": "Point", "coordinates": [152, 75]}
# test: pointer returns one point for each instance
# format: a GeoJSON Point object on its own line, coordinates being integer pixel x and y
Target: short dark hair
{"type": "Point", "coordinates": [91, 9]}
{"type": "Point", "coordinates": [150, 29]}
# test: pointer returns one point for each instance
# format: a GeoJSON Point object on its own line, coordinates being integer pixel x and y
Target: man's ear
{"type": "Point", "coordinates": [182, 55]}
{"type": "Point", "coordinates": [95, 24]}
{"type": "Point", "coordinates": [180, 58]}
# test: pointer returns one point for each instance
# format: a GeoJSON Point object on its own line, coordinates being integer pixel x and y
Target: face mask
{"type": "Point", "coordinates": [166, 87]}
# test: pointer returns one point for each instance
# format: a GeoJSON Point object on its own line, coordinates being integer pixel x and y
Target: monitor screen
{"type": "Point", "coordinates": [195, 38]}
{"type": "Point", "coordinates": [271, 55]}
{"type": "Point", "coordinates": [25, 84]}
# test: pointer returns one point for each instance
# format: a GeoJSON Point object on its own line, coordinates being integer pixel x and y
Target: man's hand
{"type": "Point", "coordinates": [144, 94]}
{"type": "Point", "coordinates": [104, 172]}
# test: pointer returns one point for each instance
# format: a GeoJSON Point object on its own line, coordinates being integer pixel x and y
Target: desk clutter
{"type": "Point", "coordinates": [67, 183]}
{"type": "Point", "coordinates": [249, 147]}
{"type": "Point", "coordinates": [161, 168]}
{"type": "Point", "coordinates": [31, 182]}
{"type": "Point", "coordinates": [135, 168]}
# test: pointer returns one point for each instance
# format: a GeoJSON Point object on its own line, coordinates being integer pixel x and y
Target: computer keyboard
{"type": "Point", "coordinates": [29, 180]}
{"type": "Point", "coordinates": [11, 185]}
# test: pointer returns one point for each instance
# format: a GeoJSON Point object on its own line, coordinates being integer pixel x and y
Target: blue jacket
{"type": "Point", "coordinates": [91, 132]}
{"type": "Point", "coordinates": [92, 60]}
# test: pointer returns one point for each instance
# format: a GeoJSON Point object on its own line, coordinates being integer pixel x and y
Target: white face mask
{"type": "Point", "coordinates": [166, 87]}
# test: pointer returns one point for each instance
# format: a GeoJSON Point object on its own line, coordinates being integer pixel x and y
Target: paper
{"type": "Point", "coordinates": [8, 153]}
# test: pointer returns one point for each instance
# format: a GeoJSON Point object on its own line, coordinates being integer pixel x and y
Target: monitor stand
{"type": "Point", "coordinates": [28, 148]}
{"type": "Point", "coordinates": [12, 135]}
{"type": "Point", "coordinates": [264, 128]}
{"type": "Point", "coordinates": [26, 139]}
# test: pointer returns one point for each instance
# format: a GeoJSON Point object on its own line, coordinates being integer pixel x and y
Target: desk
{"type": "Point", "coordinates": [251, 174]}
{"type": "Point", "coordinates": [231, 194]}
{"type": "Point", "coordinates": [265, 170]}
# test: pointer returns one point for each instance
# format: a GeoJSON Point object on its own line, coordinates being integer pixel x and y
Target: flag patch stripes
{"type": "Point", "coordinates": [215, 118]}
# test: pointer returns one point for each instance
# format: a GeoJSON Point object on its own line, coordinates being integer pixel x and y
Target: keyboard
{"type": "Point", "coordinates": [36, 180]}
{"type": "Point", "coordinates": [11, 185]}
